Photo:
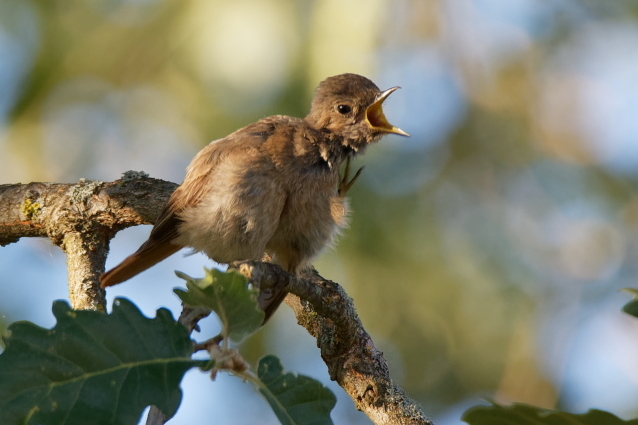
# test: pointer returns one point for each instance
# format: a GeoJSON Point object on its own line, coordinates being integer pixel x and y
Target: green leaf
{"type": "Point", "coordinates": [632, 306]}
{"type": "Point", "coordinates": [521, 414]}
{"type": "Point", "coordinates": [228, 295]}
{"type": "Point", "coordinates": [93, 368]}
{"type": "Point", "coordinates": [296, 399]}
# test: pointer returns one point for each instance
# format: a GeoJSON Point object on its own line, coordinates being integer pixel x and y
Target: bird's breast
{"type": "Point", "coordinates": [311, 219]}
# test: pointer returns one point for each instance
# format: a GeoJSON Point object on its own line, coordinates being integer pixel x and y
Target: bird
{"type": "Point", "coordinates": [271, 187]}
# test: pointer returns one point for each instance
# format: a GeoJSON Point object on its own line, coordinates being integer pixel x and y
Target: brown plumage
{"type": "Point", "coordinates": [271, 186]}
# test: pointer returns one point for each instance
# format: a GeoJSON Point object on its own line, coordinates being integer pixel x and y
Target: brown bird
{"type": "Point", "coordinates": [271, 187]}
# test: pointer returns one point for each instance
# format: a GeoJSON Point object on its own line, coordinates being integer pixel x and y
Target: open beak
{"type": "Point", "coordinates": [377, 120]}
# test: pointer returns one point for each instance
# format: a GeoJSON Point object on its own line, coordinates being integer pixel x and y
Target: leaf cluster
{"type": "Point", "coordinates": [105, 369]}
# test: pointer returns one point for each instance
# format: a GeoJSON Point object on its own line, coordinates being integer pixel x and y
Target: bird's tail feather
{"type": "Point", "coordinates": [148, 255]}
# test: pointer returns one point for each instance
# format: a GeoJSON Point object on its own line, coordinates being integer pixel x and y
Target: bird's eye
{"type": "Point", "coordinates": [344, 109]}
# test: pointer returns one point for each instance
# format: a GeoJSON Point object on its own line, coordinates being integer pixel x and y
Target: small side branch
{"type": "Point", "coordinates": [85, 259]}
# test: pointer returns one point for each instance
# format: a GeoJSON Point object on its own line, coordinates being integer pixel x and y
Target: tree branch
{"type": "Point", "coordinates": [81, 219]}
{"type": "Point", "coordinates": [327, 312]}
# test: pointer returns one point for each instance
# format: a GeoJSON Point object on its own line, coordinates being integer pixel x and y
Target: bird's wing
{"type": "Point", "coordinates": [200, 172]}
{"type": "Point", "coordinates": [160, 243]}
{"type": "Point", "coordinates": [189, 193]}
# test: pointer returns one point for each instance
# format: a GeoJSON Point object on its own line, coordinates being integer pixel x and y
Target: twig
{"type": "Point", "coordinates": [346, 183]}
{"type": "Point", "coordinates": [155, 417]}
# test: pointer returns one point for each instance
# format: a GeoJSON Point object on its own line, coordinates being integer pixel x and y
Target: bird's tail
{"type": "Point", "coordinates": [148, 255]}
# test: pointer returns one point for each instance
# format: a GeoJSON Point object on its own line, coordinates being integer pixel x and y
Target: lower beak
{"type": "Point", "coordinates": [377, 120]}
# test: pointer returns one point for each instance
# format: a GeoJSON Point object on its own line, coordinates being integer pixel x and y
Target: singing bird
{"type": "Point", "coordinates": [270, 187]}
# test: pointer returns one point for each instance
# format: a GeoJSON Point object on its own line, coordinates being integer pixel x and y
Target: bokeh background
{"type": "Point", "coordinates": [485, 253]}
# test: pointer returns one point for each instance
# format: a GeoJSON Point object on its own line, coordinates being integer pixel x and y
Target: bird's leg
{"type": "Point", "coordinates": [345, 184]}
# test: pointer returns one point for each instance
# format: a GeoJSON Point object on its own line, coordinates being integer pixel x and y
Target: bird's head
{"type": "Point", "coordinates": [350, 106]}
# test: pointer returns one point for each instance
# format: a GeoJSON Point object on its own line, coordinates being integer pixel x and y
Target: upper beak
{"type": "Point", "coordinates": [377, 120]}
